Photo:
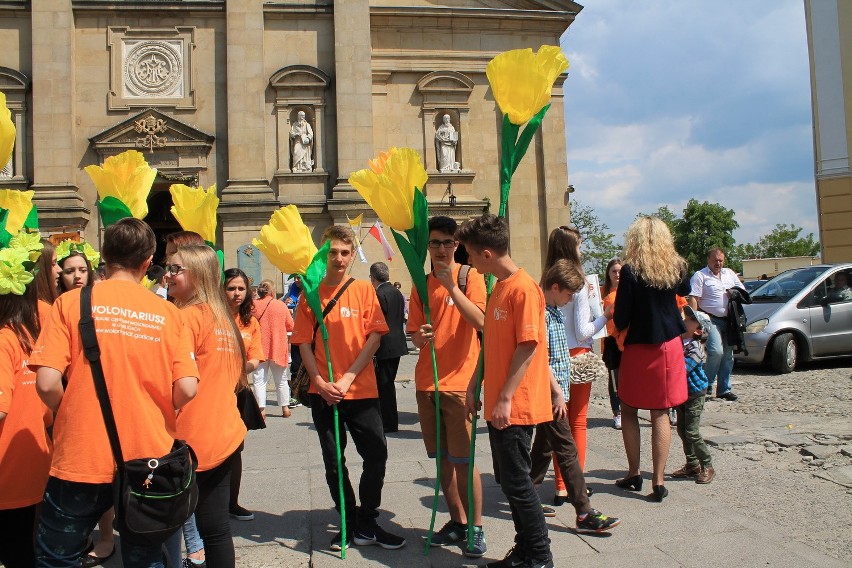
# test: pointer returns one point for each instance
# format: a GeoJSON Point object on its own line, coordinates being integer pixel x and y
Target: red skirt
{"type": "Point", "coordinates": [653, 377]}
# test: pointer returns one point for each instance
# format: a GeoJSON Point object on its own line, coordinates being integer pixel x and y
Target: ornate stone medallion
{"type": "Point", "coordinates": [153, 69]}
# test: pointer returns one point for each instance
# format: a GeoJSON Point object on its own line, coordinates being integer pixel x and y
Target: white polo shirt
{"type": "Point", "coordinates": [711, 291]}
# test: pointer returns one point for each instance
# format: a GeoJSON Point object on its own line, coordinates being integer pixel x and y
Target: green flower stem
{"type": "Point", "coordinates": [514, 143]}
{"type": "Point", "coordinates": [324, 332]}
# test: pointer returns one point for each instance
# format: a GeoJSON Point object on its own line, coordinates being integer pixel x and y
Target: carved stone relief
{"type": "Point", "coordinates": [153, 68]}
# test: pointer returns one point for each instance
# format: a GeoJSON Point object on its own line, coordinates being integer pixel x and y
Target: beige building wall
{"type": "Point", "coordinates": [829, 24]}
{"type": "Point", "coordinates": [426, 58]}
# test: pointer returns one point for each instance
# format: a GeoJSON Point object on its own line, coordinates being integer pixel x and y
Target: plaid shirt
{"type": "Point", "coordinates": [558, 356]}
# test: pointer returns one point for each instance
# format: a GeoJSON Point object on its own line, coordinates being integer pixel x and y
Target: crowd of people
{"type": "Point", "coordinates": [175, 357]}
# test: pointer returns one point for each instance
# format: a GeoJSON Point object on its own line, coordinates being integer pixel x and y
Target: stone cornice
{"type": "Point", "coordinates": [482, 14]}
{"type": "Point", "coordinates": [149, 5]}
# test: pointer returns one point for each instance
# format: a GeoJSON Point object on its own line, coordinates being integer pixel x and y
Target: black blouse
{"type": "Point", "coordinates": [651, 313]}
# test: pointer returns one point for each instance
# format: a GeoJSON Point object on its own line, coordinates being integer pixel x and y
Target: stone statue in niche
{"type": "Point", "coordinates": [446, 140]}
{"type": "Point", "coordinates": [302, 136]}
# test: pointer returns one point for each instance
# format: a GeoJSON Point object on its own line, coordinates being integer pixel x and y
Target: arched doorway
{"type": "Point", "coordinates": [160, 217]}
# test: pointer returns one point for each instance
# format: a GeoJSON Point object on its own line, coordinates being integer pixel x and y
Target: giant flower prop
{"type": "Point", "coordinates": [195, 209]}
{"type": "Point", "coordinates": [16, 212]}
{"type": "Point", "coordinates": [7, 132]}
{"type": "Point", "coordinates": [286, 241]}
{"type": "Point", "coordinates": [521, 82]}
{"type": "Point", "coordinates": [392, 186]}
{"type": "Point", "coordinates": [123, 185]}
{"type": "Point", "coordinates": [17, 263]}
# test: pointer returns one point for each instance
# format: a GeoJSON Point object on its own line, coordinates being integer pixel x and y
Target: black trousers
{"type": "Point", "coordinates": [555, 438]}
{"type": "Point", "coordinates": [17, 545]}
{"type": "Point", "coordinates": [510, 451]}
{"type": "Point", "coordinates": [211, 514]}
{"type": "Point", "coordinates": [386, 381]}
{"type": "Point", "coordinates": [363, 421]}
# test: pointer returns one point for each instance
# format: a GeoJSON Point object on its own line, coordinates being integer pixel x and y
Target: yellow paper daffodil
{"type": "Point", "coordinates": [7, 132]}
{"type": "Point", "coordinates": [19, 204]}
{"type": "Point", "coordinates": [195, 209]}
{"type": "Point", "coordinates": [388, 186]}
{"type": "Point", "coordinates": [14, 279]}
{"type": "Point", "coordinates": [126, 177]}
{"type": "Point", "coordinates": [287, 242]}
{"type": "Point", "coordinates": [522, 80]}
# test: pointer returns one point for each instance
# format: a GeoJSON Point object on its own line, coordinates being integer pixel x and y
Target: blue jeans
{"type": "Point", "coordinates": [69, 512]}
{"type": "Point", "coordinates": [191, 538]}
{"type": "Point", "coordinates": [720, 357]}
{"type": "Point", "coordinates": [510, 451]}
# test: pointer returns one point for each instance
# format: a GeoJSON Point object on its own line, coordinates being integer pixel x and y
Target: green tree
{"type": "Point", "coordinates": [668, 216]}
{"type": "Point", "coordinates": [599, 246]}
{"type": "Point", "coordinates": [785, 240]}
{"type": "Point", "coordinates": [702, 227]}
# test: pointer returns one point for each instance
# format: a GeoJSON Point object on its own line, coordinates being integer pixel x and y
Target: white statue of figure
{"type": "Point", "coordinates": [446, 140]}
{"type": "Point", "coordinates": [302, 136]}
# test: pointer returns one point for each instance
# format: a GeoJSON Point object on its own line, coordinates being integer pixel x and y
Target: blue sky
{"type": "Point", "coordinates": [672, 99]}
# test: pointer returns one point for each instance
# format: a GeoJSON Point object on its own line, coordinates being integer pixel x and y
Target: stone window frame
{"type": "Point", "coordinates": [299, 87]}
{"type": "Point", "coordinates": [15, 85]}
{"type": "Point", "coordinates": [444, 92]}
{"type": "Point", "coordinates": [116, 35]}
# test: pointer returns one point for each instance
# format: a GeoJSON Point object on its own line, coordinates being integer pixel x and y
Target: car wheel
{"type": "Point", "coordinates": [784, 354]}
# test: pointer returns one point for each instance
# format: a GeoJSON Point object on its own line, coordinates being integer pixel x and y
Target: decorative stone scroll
{"type": "Point", "coordinates": [151, 67]}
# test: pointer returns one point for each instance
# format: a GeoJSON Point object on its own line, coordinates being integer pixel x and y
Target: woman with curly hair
{"type": "Point", "coordinates": [652, 374]}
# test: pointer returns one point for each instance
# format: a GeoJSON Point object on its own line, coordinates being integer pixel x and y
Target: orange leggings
{"type": "Point", "coordinates": [578, 410]}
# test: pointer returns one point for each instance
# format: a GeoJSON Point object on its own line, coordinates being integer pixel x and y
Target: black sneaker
{"type": "Point", "coordinates": [729, 396]}
{"type": "Point", "coordinates": [336, 541]}
{"type": "Point", "coordinates": [548, 564]}
{"type": "Point", "coordinates": [478, 548]}
{"type": "Point", "coordinates": [596, 522]}
{"type": "Point", "coordinates": [241, 513]}
{"type": "Point", "coordinates": [548, 511]}
{"type": "Point", "coordinates": [513, 559]}
{"type": "Point", "coordinates": [377, 535]}
{"type": "Point", "coordinates": [450, 533]}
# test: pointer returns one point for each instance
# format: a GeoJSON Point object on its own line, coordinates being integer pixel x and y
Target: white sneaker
{"type": "Point", "coordinates": [616, 421]}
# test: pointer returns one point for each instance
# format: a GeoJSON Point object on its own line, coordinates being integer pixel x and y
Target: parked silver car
{"type": "Point", "coordinates": [800, 315]}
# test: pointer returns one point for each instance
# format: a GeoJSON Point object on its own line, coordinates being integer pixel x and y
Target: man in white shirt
{"type": "Point", "coordinates": [709, 293]}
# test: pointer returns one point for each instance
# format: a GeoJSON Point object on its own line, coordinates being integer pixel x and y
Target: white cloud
{"type": "Point", "coordinates": [675, 100]}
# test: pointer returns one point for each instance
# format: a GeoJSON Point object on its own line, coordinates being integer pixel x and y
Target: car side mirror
{"type": "Point", "coordinates": [824, 301]}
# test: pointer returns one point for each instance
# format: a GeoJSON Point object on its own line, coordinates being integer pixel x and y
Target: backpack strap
{"type": "Point", "coordinates": [330, 306]}
{"type": "Point", "coordinates": [462, 280]}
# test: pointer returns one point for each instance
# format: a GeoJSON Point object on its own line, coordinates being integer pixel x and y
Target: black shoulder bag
{"type": "Point", "coordinates": [300, 384]}
{"type": "Point", "coordinates": [153, 497]}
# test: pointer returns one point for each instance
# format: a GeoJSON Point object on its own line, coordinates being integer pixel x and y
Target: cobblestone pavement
{"type": "Point", "coordinates": [781, 452]}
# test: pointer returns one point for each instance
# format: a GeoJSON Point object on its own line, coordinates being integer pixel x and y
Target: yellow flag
{"type": "Point", "coordinates": [356, 222]}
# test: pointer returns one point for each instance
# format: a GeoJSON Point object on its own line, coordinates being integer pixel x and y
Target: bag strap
{"type": "Point", "coordinates": [92, 351]}
{"type": "Point", "coordinates": [330, 306]}
{"type": "Point", "coordinates": [462, 280]}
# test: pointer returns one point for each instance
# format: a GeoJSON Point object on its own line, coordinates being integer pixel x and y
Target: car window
{"type": "Point", "coordinates": [786, 285]}
{"type": "Point", "coordinates": [837, 289]}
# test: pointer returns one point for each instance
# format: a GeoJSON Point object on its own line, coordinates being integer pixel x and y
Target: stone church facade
{"type": "Point", "coordinates": [215, 91]}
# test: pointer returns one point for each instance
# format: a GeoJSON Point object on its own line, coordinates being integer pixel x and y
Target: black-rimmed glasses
{"type": "Point", "coordinates": [448, 243]}
{"type": "Point", "coordinates": [175, 269]}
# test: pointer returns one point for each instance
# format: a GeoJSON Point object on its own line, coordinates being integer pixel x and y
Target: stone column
{"type": "Point", "coordinates": [247, 193]}
{"type": "Point", "coordinates": [54, 162]}
{"type": "Point", "coordinates": [353, 91]}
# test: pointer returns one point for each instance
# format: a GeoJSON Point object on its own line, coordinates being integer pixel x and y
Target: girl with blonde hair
{"type": "Point", "coordinates": [211, 423]}
{"type": "Point", "coordinates": [652, 374]}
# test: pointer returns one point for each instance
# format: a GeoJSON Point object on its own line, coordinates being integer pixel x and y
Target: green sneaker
{"type": "Point", "coordinates": [478, 548]}
{"type": "Point", "coordinates": [596, 522]}
{"type": "Point", "coordinates": [450, 533]}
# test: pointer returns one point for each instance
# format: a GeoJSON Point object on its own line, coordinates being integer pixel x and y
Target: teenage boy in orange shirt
{"type": "Point", "coordinates": [517, 383]}
{"type": "Point", "coordinates": [456, 317]}
{"type": "Point", "coordinates": [149, 370]}
{"type": "Point", "coordinates": [355, 326]}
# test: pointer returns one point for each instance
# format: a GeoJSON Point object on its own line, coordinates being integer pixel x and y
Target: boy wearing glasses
{"type": "Point", "coordinates": [457, 303]}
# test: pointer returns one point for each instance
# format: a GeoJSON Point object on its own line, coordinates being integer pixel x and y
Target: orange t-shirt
{"type": "Point", "coordinates": [211, 422]}
{"type": "Point", "coordinates": [515, 314]}
{"type": "Point", "coordinates": [24, 445]}
{"type": "Point", "coordinates": [356, 315]}
{"type": "Point", "coordinates": [145, 348]}
{"type": "Point", "coordinates": [251, 338]}
{"type": "Point", "coordinates": [456, 344]}
{"type": "Point", "coordinates": [43, 312]}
